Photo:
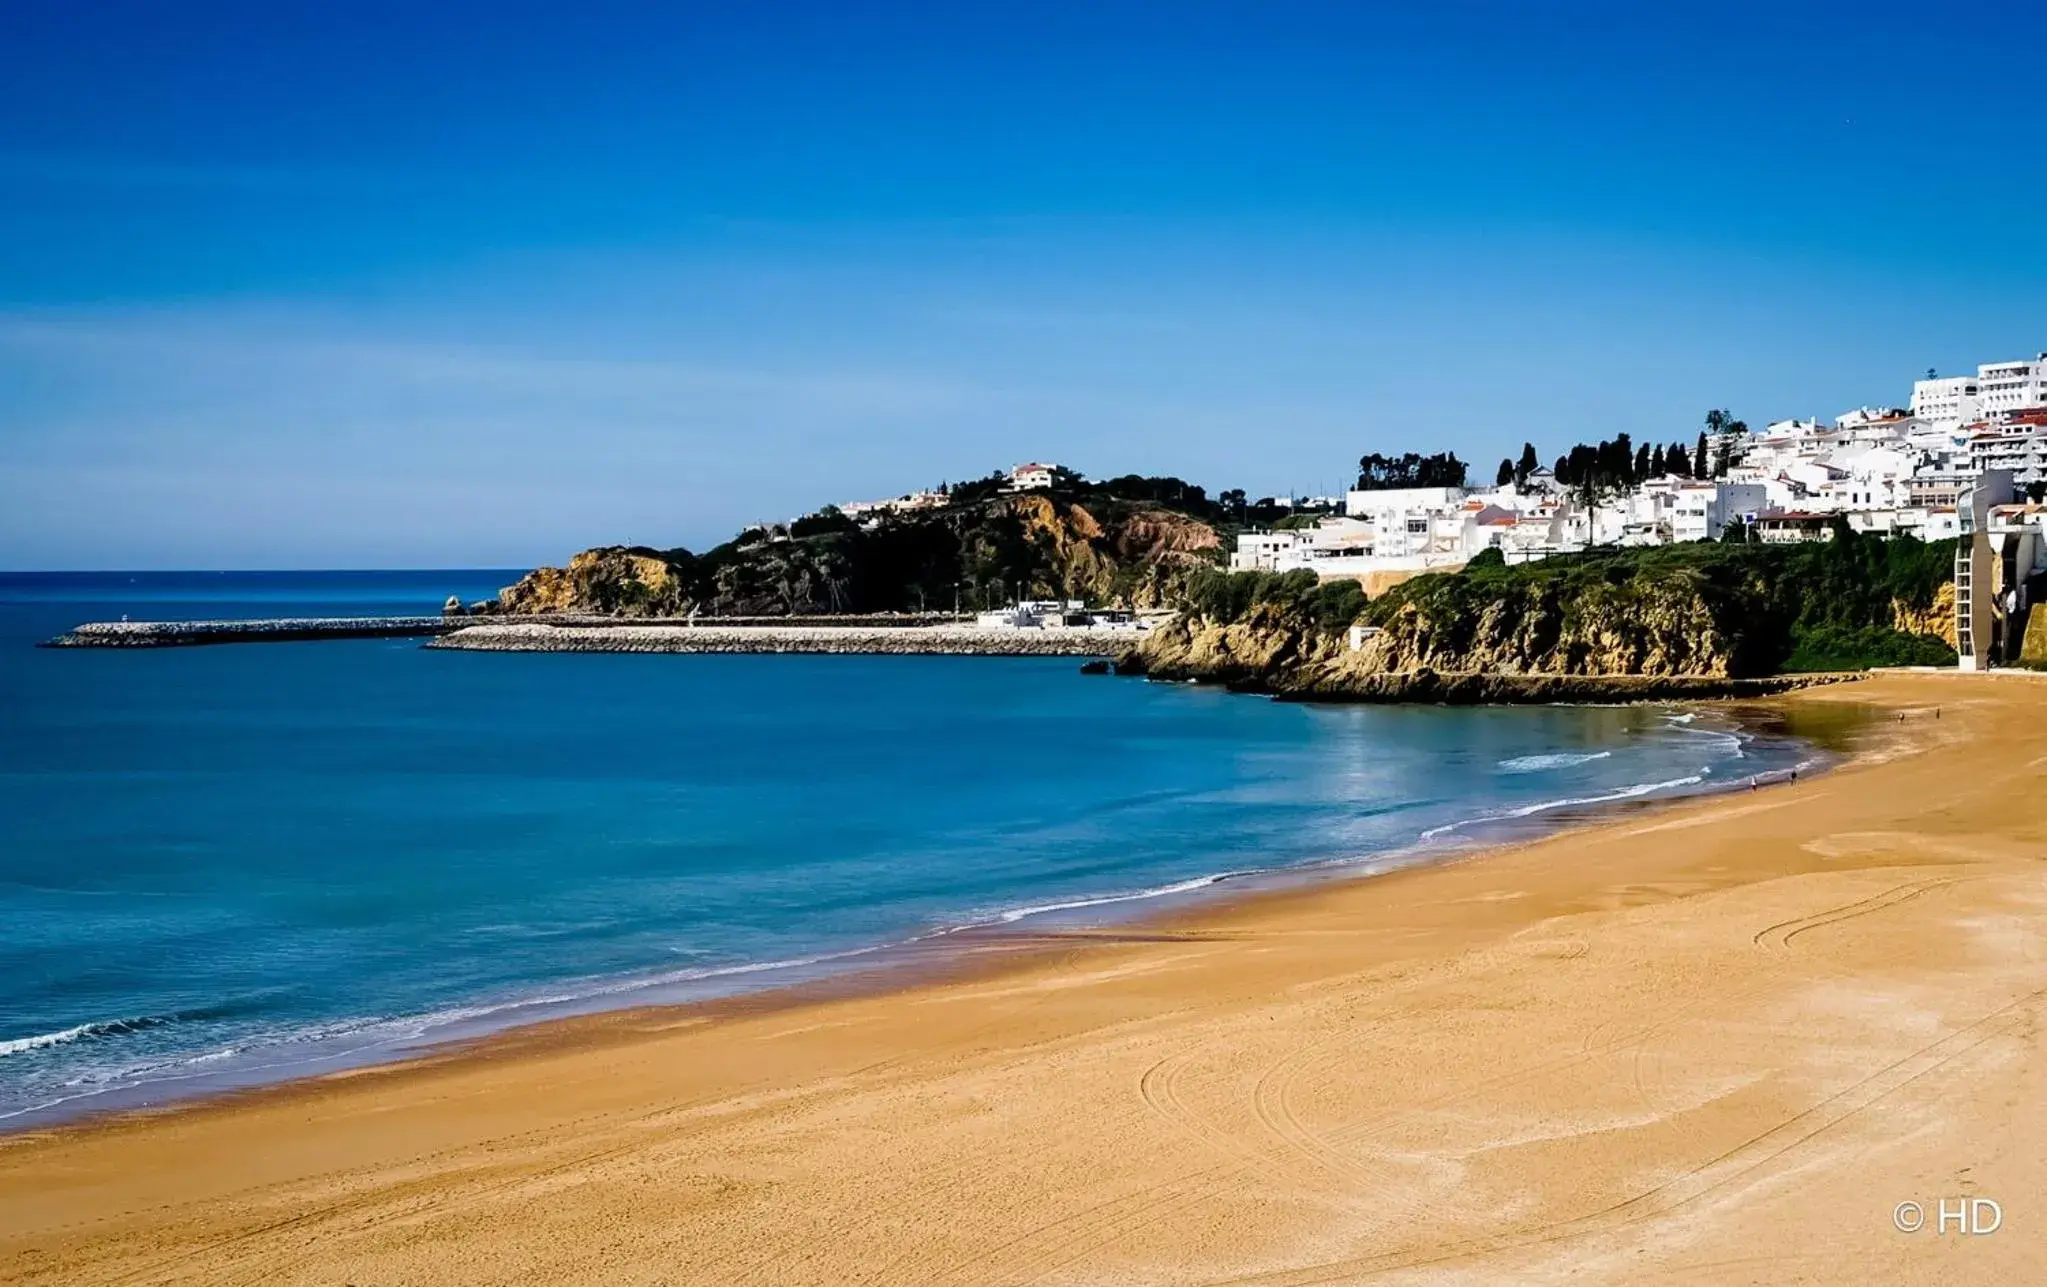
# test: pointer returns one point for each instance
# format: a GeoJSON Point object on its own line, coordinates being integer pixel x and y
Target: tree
{"type": "Point", "coordinates": [1409, 469]}
{"type": "Point", "coordinates": [1527, 465]}
{"type": "Point", "coordinates": [1642, 462]}
{"type": "Point", "coordinates": [1679, 460]}
{"type": "Point", "coordinates": [1720, 460]}
{"type": "Point", "coordinates": [1701, 464]}
{"type": "Point", "coordinates": [1506, 474]}
{"type": "Point", "coordinates": [1658, 463]}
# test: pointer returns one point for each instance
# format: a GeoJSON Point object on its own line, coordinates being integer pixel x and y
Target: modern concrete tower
{"type": "Point", "coordinates": [1975, 604]}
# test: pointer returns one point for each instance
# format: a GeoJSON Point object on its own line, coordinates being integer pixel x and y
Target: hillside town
{"type": "Point", "coordinates": [1965, 460]}
{"type": "Point", "coordinates": [1886, 470]}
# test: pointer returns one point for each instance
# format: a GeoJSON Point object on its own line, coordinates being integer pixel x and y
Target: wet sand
{"type": "Point", "coordinates": [1717, 1041]}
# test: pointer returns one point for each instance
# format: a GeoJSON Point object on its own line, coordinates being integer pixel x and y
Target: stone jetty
{"type": "Point", "coordinates": [947, 640]}
{"type": "Point", "coordinates": [179, 634]}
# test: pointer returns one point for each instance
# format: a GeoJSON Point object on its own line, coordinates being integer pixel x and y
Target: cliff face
{"type": "Point", "coordinates": [1711, 616]}
{"type": "Point", "coordinates": [978, 555]}
{"type": "Point", "coordinates": [1674, 632]}
{"type": "Point", "coordinates": [1128, 556]}
{"type": "Point", "coordinates": [1935, 621]}
{"type": "Point", "coordinates": [613, 580]}
{"type": "Point", "coordinates": [1270, 650]}
{"type": "Point", "coordinates": [1676, 626]}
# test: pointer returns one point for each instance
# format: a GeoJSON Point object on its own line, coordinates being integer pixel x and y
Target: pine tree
{"type": "Point", "coordinates": [1701, 462]}
{"type": "Point", "coordinates": [1679, 460]}
{"type": "Point", "coordinates": [1506, 474]}
{"type": "Point", "coordinates": [1527, 465]}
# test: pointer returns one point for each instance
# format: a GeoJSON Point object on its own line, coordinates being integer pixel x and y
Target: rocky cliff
{"type": "Point", "coordinates": [983, 553]}
{"type": "Point", "coordinates": [611, 581]}
{"type": "Point", "coordinates": [1697, 618]}
{"type": "Point", "coordinates": [1936, 620]}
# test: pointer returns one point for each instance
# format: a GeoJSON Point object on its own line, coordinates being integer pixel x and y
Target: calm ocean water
{"type": "Point", "coordinates": [233, 864]}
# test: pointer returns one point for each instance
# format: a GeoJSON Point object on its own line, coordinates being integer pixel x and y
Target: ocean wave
{"type": "Point", "coordinates": [1015, 914]}
{"type": "Point", "coordinates": [1544, 806]}
{"type": "Point", "coordinates": [1736, 742]}
{"type": "Point", "coordinates": [87, 1032]}
{"type": "Point", "coordinates": [1542, 763]}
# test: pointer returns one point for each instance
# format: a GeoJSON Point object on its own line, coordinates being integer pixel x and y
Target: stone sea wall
{"type": "Point", "coordinates": [178, 634]}
{"type": "Point", "coordinates": [967, 641]}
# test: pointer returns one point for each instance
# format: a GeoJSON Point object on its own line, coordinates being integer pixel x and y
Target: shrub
{"type": "Point", "coordinates": [1859, 648]}
{"type": "Point", "coordinates": [1228, 597]}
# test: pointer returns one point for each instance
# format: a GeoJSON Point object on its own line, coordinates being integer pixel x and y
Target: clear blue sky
{"type": "Point", "coordinates": [414, 284]}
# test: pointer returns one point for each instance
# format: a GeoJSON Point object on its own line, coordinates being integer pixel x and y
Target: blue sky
{"type": "Point", "coordinates": [362, 285]}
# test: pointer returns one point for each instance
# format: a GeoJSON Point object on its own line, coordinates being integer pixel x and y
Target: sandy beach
{"type": "Point", "coordinates": [1719, 1041]}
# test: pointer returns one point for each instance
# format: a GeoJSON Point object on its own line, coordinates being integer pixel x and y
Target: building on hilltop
{"type": "Point", "coordinates": [2016, 441]}
{"type": "Point", "coordinates": [1996, 389]}
{"type": "Point", "coordinates": [1956, 399]}
{"type": "Point", "coordinates": [2013, 386]}
{"type": "Point", "coordinates": [1032, 477]}
{"type": "Point", "coordinates": [868, 513]}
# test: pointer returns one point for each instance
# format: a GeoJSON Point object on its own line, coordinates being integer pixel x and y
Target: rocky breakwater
{"type": "Point", "coordinates": [180, 634]}
{"type": "Point", "coordinates": [963, 641]}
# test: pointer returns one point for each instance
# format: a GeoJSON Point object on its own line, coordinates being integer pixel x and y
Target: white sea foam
{"type": "Point", "coordinates": [1735, 742]}
{"type": "Point", "coordinates": [1544, 806]}
{"type": "Point", "coordinates": [83, 1032]}
{"type": "Point", "coordinates": [1543, 763]}
{"type": "Point", "coordinates": [21, 1045]}
{"type": "Point", "coordinates": [1015, 914]}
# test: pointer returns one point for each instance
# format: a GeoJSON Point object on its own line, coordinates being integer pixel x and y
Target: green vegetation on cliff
{"type": "Point", "coordinates": [1229, 597]}
{"type": "Point", "coordinates": [1705, 609]}
{"type": "Point", "coordinates": [1701, 608]}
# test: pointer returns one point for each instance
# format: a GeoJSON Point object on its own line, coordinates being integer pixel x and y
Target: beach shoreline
{"type": "Point", "coordinates": [744, 1079]}
{"type": "Point", "coordinates": [934, 952]}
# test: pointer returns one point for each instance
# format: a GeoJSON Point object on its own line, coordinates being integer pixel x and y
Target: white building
{"type": "Point", "coordinates": [1031, 477]}
{"type": "Point", "coordinates": [2013, 386]}
{"type": "Point", "coordinates": [2020, 448]}
{"type": "Point", "coordinates": [905, 504]}
{"type": "Point", "coordinates": [1403, 519]}
{"type": "Point", "coordinates": [1264, 551]}
{"type": "Point", "coordinates": [1951, 400]}
{"type": "Point", "coordinates": [1996, 389]}
{"type": "Point", "coordinates": [1701, 511]}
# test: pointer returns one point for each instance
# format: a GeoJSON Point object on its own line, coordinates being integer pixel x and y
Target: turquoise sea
{"type": "Point", "coordinates": [234, 864]}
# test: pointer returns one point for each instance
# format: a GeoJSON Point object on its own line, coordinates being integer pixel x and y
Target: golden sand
{"type": "Point", "coordinates": [1718, 1041]}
